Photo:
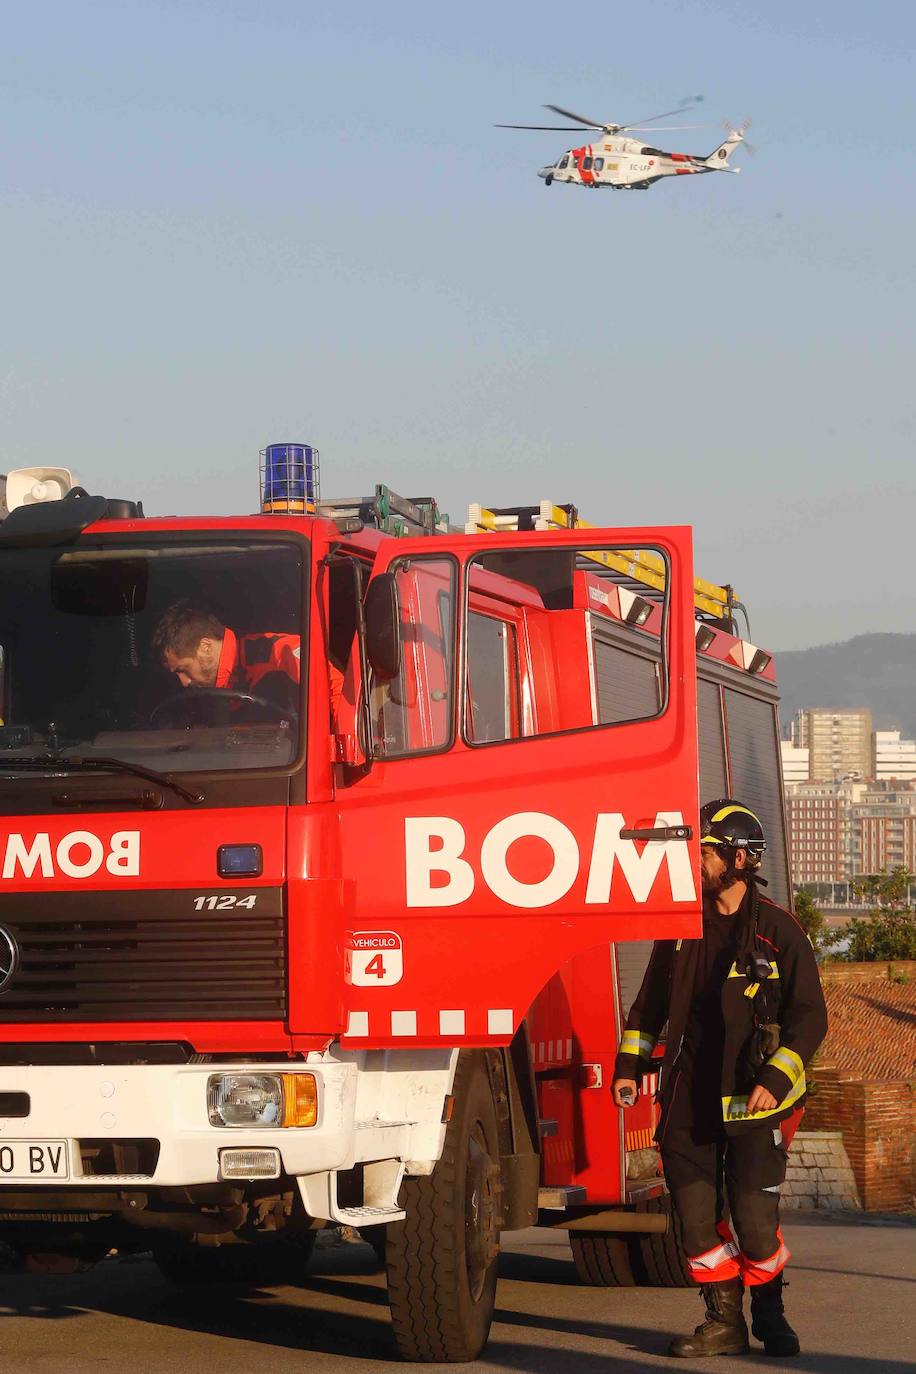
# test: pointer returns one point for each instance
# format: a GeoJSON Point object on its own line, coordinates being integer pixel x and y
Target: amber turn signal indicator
{"type": "Point", "coordinates": [300, 1099]}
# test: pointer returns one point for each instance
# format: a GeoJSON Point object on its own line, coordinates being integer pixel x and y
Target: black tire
{"type": "Point", "coordinates": [442, 1259]}
{"type": "Point", "coordinates": [602, 1260]}
{"type": "Point", "coordinates": [183, 1262]}
{"type": "Point", "coordinates": [660, 1261]}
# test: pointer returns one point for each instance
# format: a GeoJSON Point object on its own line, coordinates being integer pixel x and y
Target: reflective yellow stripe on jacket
{"type": "Point", "coordinates": [735, 1108]}
{"type": "Point", "coordinates": [637, 1042]}
{"type": "Point", "coordinates": [789, 1063]}
{"type": "Point", "coordinates": [752, 988]}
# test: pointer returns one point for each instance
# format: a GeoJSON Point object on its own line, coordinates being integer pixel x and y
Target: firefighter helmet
{"type": "Point", "coordinates": [729, 824]}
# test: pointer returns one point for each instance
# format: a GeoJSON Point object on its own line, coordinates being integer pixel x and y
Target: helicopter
{"type": "Point", "coordinates": [620, 163]}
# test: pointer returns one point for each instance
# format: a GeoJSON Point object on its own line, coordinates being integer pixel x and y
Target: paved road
{"type": "Point", "coordinates": [852, 1299]}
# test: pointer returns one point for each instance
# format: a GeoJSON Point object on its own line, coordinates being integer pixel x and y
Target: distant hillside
{"type": "Point", "coordinates": [877, 671]}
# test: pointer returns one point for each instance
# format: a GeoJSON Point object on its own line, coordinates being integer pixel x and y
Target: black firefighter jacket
{"type": "Point", "coordinates": [793, 999]}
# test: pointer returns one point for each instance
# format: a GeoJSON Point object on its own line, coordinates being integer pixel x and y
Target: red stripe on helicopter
{"type": "Point", "coordinates": [580, 155]}
{"type": "Point", "coordinates": [679, 157]}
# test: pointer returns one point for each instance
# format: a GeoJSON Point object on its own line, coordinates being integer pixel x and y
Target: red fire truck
{"type": "Point", "coordinates": [358, 956]}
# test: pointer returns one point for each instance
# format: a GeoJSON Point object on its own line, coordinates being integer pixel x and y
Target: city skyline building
{"type": "Point", "coordinates": [844, 830]}
{"type": "Point", "coordinates": [795, 762]}
{"type": "Point", "coordinates": [895, 758]}
{"type": "Point", "coordinates": [839, 742]}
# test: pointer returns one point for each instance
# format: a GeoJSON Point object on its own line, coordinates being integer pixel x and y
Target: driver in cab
{"type": "Point", "coordinates": [201, 651]}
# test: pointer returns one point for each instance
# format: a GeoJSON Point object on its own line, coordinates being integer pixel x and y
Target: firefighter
{"type": "Point", "coordinates": [201, 651]}
{"type": "Point", "coordinates": [745, 1013]}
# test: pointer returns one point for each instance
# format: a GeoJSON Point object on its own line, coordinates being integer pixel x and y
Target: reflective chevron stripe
{"type": "Point", "coordinates": [716, 1265]}
{"type": "Point", "coordinates": [754, 1272]}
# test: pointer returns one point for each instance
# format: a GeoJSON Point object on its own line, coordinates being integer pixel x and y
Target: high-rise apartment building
{"type": "Point", "coordinates": [895, 758]}
{"type": "Point", "coordinates": [795, 762]}
{"type": "Point", "coordinates": [839, 743]}
{"type": "Point", "coordinates": [815, 814]}
{"type": "Point", "coordinates": [842, 830]}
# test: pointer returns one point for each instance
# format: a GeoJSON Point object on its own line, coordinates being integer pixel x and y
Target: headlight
{"type": "Point", "coordinates": [269, 1100]}
{"type": "Point", "coordinates": [245, 1099]}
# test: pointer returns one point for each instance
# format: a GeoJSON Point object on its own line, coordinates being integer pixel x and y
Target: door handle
{"type": "Point", "coordinates": [661, 832]}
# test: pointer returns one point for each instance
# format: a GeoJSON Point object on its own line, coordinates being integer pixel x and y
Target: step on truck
{"type": "Point", "coordinates": [342, 932]}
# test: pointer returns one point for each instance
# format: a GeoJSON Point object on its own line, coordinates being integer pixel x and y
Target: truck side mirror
{"type": "Point", "coordinates": [383, 627]}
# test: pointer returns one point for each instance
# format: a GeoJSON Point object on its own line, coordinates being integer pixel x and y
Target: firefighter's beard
{"type": "Point", "coordinates": [714, 884]}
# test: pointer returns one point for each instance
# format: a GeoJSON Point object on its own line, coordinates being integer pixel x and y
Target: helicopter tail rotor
{"type": "Point", "coordinates": [741, 130]}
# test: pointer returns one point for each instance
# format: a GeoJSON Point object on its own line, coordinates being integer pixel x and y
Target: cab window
{"type": "Point", "coordinates": [412, 713]}
{"type": "Point", "coordinates": [591, 649]}
{"type": "Point", "coordinates": [564, 161]}
{"type": "Point", "coordinates": [491, 709]}
{"type": "Point", "coordinates": [599, 164]}
{"type": "Point", "coordinates": [587, 164]}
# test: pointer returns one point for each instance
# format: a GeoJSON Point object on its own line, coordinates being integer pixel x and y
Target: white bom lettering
{"type": "Point", "coordinates": [565, 859]}
{"type": "Point", "coordinates": [423, 862]}
{"type": "Point", "coordinates": [121, 857]}
{"type": "Point", "coordinates": [639, 870]}
{"type": "Point", "coordinates": [610, 854]}
{"type": "Point", "coordinates": [38, 853]}
{"type": "Point", "coordinates": [124, 854]}
{"type": "Point", "coordinates": [66, 863]}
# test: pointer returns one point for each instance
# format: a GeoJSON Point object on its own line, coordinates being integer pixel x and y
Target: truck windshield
{"type": "Point", "coordinates": [177, 656]}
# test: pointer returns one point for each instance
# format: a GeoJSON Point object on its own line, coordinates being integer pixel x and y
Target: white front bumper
{"type": "Point", "coordinates": [168, 1103]}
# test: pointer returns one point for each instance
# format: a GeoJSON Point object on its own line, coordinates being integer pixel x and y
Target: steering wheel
{"type": "Point", "coordinates": [187, 697]}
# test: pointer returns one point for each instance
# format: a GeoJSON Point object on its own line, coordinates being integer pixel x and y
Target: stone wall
{"type": "Point", "coordinates": [819, 1173]}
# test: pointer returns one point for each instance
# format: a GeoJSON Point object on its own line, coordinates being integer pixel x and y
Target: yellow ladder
{"type": "Point", "coordinates": [641, 565]}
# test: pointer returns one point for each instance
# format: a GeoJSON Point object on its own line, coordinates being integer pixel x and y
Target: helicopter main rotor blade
{"type": "Point", "coordinates": [554, 128]}
{"type": "Point", "coordinates": [681, 109]}
{"type": "Point", "coordinates": [580, 119]}
{"type": "Point", "coordinates": [668, 128]}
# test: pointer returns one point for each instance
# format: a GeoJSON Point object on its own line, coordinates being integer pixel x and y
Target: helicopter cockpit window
{"type": "Point", "coordinates": [586, 164]}
{"type": "Point", "coordinates": [599, 164]}
{"type": "Point", "coordinates": [564, 161]}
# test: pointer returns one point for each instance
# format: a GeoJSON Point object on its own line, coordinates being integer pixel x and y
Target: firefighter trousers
{"type": "Point", "coordinates": [705, 1168]}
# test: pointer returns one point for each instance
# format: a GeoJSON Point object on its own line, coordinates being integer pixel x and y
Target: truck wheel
{"type": "Point", "coordinates": [602, 1260]}
{"type": "Point", "coordinates": [442, 1259]}
{"type": "Point", "coordinates": [659, 1261]}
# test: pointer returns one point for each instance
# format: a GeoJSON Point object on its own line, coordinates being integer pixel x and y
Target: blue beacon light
{"type": "Point", "coordinates": [289, 479]}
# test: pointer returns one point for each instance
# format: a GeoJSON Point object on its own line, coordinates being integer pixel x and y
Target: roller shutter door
{"type": "Point", "coordinates": [626, 685]}
{"type": "Point", "coordinates": [632, 958]}
{"type": "Point", "coordinates": [713, 778]}
{"type": "Point", "coordinates": [753, 754]}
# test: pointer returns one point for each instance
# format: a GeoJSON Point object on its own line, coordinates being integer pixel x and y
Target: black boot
{"type": "Point", "coordinates": [724, 1331]}
{"type": "Point", "coordinates": [768, 1321]}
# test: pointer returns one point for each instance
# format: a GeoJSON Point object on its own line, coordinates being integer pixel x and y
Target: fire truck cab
{"type": "Point", "coordinates": [355, 952]}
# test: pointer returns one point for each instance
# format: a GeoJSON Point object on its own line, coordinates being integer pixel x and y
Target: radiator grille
{"type": "Point", "coordinates": [144, 956]}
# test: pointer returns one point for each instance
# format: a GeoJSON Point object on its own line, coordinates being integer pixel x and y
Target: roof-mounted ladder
{"type": "Point", "coordinates": [400, 516]}
{"type": "Point", "coordinates": [638, 565]}
{"type": "Point", "coordinates": [403, 516]}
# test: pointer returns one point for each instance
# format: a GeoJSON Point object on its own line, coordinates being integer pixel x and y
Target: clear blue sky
{"type": "Point", "coordinates": [225, 223]}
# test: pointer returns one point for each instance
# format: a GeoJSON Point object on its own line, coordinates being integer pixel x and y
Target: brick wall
{"type": "Point", "coordinates": [838, 972]}
{"type": "Point", "coordinates": [877, 1122]}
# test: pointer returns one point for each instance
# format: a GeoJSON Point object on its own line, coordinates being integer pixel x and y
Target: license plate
{"type": "Point", "coordinates": [32, 1160]}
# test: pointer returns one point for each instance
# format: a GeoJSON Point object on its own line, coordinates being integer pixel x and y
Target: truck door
{"type": "Point", "coordinates": [504, 824]}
